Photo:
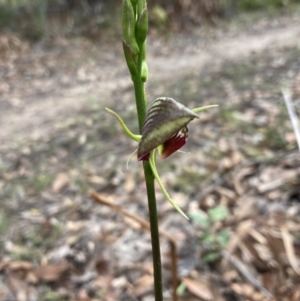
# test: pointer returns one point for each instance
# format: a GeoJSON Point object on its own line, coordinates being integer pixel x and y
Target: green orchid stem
{"type": "Point", "coordinates": [153, 219]}
{"type": "Point", "coordinates": [140, 94]}
{"type": "Point", "coordinates": [141, 105]}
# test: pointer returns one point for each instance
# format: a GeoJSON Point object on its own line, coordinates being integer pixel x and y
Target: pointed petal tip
{"type": "Point", "coordinates": [199, 109]}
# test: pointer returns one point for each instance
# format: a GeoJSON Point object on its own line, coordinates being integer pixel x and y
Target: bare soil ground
{"type": "Point", "coordinates": [240, 184]}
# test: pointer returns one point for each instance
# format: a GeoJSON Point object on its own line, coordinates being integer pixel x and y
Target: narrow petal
{"type": "Point", "coordinates": [152, 162]}
{"type": "Point", "coordinates": [124, 126]}
{"type": "Point", "coordinates": [199, 109]}
{"type": "Point", "coordinates": [174, 144]}
{"type": "Point", "coordinates": [127, 162]}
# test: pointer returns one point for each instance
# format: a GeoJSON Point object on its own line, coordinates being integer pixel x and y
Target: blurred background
{"type": "Point", "coordinates": [35, 19]}
{"type": "Point", "coordinates": [61, 64]}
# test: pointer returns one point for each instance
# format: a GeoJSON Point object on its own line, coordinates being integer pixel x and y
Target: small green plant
{"type": "Point", "coordinates": [213, 240]}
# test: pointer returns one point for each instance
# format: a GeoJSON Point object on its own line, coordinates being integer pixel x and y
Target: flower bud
{"type": "Point", "coordinates": [128, 26]}
{"type": "Point", "coordinates": [142, 27]}
{"type": "Point", "coordinates": [142, 4]}
{"type": "Point", "coordinates": [130, 57]}
{"type": "Point", "coordinates": [144, 71]}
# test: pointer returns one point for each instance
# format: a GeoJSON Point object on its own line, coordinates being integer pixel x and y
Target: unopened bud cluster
{"type": "Point", "coordinates": [135, 29]}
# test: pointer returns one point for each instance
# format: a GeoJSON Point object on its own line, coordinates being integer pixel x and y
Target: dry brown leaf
{"type": "Point", "coordinates": [20, 268]}
{"type": "Point", "coordinates": [248, 255]}
{"type": "Point", "coordinates": [239, 177]}
{"type": "Point", "coordinates": [290, 138]}
{"type": "Point", "coordinates": [274, 195]}
{"type": "Point", "coordinates": [199, 287]}
{"type": "Point", "coordinates": [237, 157]}
{"type": "Point", "coordinates": [265, 187]}
{"type": "Point", "coordinates": [270, 173]}
{"type": "Point", "coordinates": [289, 248]}
{"type": "Point", "coordinates": [61, 181]}
{"type": "Point", "coordinates": [228, 193]}
{"type": "Point", "coordinates": [83, 295]}
{"type": "Point", "coordinates": [247, 274]}
{"type": "Point", "coordinates": [208, 201]}
{"type": "Point", "coordinates": [269, 281]}
{"type": "Point", "coordinates": [32, 278]}
{"type": "Point", "coordinates": [75, 226]}
{"type": "Point", "coordinates": [231, 160]}
{"type": "Point", "coordinates": [230, 276]}
{"type": "Point", "coordinates": [275, 242]}
{"type": "Point", "coordinates": [96, 180]}
{"type": "Point", "coordinates": [245, 208]}
{"type": "Point", "coordinates": [296, 295]}
{"type": "Point", "coordinates": [3, 264]}
{"type": "Point", "coordinates": [19, 265]}
{"type": "Point", "coordinates": [129, 184]}
{"type": "Point", "coordinates": [264, 253]}
{"type": "Point", "coordinates": [223, 145]}
{"type": "Point", "coordinates": [240, 234]}
{"type": "Point", "coordinates": [226, 163]}
{"type": "Point", "coordinates": [243, 289]}
{"type": "Point", "coordinates": [52, 272]}
{"type": "Point", "coordinates": [258, 236]}
{"type": "Point", "coordinates": [143, 285]}
{"type": "Point", "coordinates": [19, 288]}
{"type": "Point", "coordinates": [274, 178]}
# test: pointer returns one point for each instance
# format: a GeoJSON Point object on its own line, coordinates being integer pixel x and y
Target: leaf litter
{"type": "Point", "coordinates": [239, 185]}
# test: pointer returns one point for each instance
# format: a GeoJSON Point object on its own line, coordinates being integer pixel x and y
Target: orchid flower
{"type": "Point", "coordinates": [164, 132]}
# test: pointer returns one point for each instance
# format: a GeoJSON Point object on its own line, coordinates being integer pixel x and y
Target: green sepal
{"type": "Point", "coordinates": [142, 4]}
{"type": "Point", "coordinates": [128, 26]}
{"type": "Point", "coordinates": [130, 57]}
{"type": "Point", "coordinates": [141, 30]}
{"type": "Point", "coordinates": [152, 162]}
{"type": "Point", "coordinates": [124, 126]}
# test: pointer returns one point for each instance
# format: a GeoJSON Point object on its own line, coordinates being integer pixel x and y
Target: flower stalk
{"type": "Point", "coordinates": [136, 62]}
{"type": "Point", "coordinates": [163, 128]}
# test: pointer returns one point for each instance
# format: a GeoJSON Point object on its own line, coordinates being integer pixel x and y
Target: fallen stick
{"type": "Point", "coordinates": [292, 113]}
{"type": "Point", "coordinates": [242, 269]}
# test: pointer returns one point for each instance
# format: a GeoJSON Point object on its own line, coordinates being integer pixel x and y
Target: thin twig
{"type": "Point", "coordinates": [292, 113]}
{"type": "Point", "coordinates": [104, 201]}
{"type": "Point", "coordinates": [242, 269]}
{"type": "Point", "coordinates": [289, 248]}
